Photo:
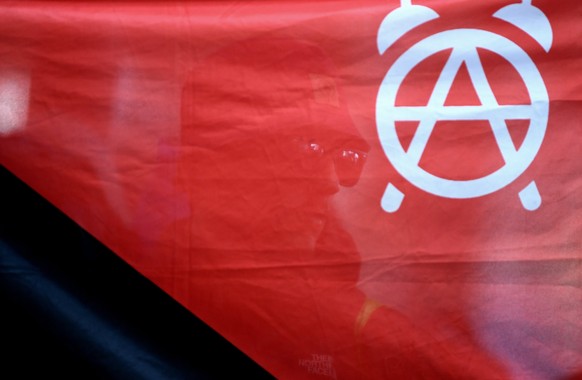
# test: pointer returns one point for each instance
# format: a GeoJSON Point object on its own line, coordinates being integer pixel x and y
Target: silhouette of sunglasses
{"type": "Point", "coordinates": [348, 162]}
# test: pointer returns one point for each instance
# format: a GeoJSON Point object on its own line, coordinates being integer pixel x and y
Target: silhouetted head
{"type": "Point", "coordinates": [268, 140]}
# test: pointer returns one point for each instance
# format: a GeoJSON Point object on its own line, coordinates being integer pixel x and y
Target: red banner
{"type": "Point", "coordinates": [342, 189]}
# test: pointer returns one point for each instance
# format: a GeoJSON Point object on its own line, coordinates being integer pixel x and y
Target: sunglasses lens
{"type": "Point", "coordinates": [348, 166]}
{"type": "Point", "coordinates": [313, 150]}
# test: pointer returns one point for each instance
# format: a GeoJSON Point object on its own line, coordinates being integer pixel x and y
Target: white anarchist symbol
{"type": "Point", "coordinates": [464, 44]}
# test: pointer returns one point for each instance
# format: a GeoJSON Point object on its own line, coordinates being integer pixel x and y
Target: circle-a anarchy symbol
{"type": "Point", "coordinates": [464, 44]}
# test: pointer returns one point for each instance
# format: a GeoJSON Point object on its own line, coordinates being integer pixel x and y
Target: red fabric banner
{"type": "Point", "coordinates": [345, 190]}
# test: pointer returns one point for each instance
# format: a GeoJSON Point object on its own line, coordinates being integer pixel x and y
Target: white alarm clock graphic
{"type": "Point", "coordinates": [464, 45]}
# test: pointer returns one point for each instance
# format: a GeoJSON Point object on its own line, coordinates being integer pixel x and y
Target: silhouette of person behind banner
{"type": "Point", "coordinates": [267, 140]}
{"type": "Point", "coordinates": [266, 130]}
